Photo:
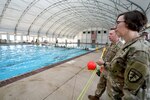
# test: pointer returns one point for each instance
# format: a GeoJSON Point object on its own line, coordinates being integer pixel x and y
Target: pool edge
{"type": "Point", "coordinates": [14, 79]}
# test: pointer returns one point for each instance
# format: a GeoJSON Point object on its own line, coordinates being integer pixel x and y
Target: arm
{"type": "Point", "coordinates": [135, 74]}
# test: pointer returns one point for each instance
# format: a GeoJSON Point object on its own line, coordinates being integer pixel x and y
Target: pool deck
{"type": "Point", "coordinates": [62, 82]}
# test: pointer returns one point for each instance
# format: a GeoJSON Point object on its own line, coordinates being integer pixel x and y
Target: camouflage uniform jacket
{"type": "Point", "coordinates": [111, 51]}
{"type": "Point", "coordinates": [128, 70]}
{"type": "Point", "coordinates": [108, 56]}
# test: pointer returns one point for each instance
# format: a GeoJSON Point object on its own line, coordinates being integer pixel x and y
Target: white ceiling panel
{"type": "Point", "coordinates": [63, 18]}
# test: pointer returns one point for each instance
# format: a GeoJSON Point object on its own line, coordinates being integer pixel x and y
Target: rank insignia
{"type": "Point", "coordinates": [134, 75]}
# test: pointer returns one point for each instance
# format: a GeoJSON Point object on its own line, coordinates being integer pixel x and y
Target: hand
{"type": "Point", "coordinates": [100, 62]}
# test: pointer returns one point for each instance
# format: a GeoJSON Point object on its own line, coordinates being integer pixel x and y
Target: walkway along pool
{"type": "Point", "coordinates": [16, 60]}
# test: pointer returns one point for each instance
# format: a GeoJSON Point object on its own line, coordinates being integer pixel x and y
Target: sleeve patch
{"type": "Point", "coordinates": [134, 75]}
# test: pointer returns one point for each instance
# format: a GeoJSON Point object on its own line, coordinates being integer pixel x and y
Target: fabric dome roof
{"type": "Point", "coordinates": [63, 18]}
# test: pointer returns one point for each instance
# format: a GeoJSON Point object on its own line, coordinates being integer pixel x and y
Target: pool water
{"type": "Point", "coordinates": [16, 60]}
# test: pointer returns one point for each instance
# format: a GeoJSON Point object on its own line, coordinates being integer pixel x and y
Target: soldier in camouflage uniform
{"type": "Point", "coordinates": [107, 57]}
{"type": "Point", "coordinates": [128, 75]}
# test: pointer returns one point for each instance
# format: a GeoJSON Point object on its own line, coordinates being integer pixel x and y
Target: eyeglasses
{"type": "Point", "coordinates": [117, 22]}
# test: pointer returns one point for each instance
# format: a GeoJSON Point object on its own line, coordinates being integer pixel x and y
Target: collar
{"type": "Point", "coordinates": [127, 44]}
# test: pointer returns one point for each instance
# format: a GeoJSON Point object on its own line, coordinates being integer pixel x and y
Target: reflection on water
{"type": "Point", "coordinates": [19, 59]}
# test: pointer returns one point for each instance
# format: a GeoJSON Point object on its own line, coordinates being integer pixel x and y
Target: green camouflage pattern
{"type": "Point", "coordinates": [108, 56]}
{"type": "Point", "coordinates": [129, 70]}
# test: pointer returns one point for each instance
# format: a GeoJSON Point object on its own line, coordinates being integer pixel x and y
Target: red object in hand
{"type": "Point", "coordinates": [91, 65]}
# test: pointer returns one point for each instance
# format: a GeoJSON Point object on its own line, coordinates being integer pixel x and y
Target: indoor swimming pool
{"type": "Point", "coordinates": [16, 60]}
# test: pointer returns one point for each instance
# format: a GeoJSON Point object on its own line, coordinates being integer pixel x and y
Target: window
{"type": "Point", "coordinates": [24, 38]}
{"type": "Point", "coordinates": [18, 38]}
{"type": "Point", "coordinates": [4, 37]}
{"type": "Point", "coordinates": [31, 38]}
{"type": "Point", "coordinates": [11, 37]}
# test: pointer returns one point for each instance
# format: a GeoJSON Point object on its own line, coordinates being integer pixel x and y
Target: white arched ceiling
{"type": "Point", "coordinates": [63, 18]}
